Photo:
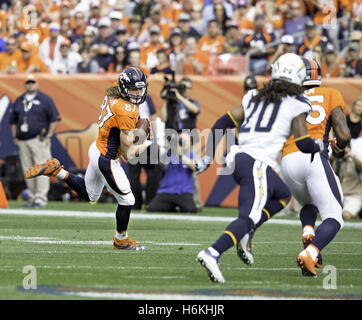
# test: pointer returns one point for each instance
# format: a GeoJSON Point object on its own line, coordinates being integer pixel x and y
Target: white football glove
{"type": "Point", "coordinates": [202, 164]}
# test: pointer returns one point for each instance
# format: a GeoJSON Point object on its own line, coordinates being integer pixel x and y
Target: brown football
{"type": "Point", "coordinates": [142, 130]}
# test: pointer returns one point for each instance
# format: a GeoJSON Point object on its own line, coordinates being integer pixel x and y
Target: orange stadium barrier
{"type": "Point", "coordinates": [79, 97]}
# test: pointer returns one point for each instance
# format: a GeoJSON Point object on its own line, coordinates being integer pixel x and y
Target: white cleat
{"type": "Point", "coordinates": [209, 262]}
{"type": "Point", "coordinates": [244, 248]}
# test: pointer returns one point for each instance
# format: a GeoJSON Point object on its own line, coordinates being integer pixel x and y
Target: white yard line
{"type": "Point", "coordinates": [151, 216]}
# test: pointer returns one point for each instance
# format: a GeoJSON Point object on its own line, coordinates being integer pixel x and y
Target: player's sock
{"type": "Point", "coordinates": [62, 174]}
{"type": "Point", "coordinates": [308, 215]}
{"type": "Point", "coordinates": [233, 233]}
{"type": "Point", "coordinates": [78, 185]}
{"type": "Point", "coordinates": [121, 235]}
{"type": "Point", "coordinates": [122, 217]}
{"type": "Point", "coordinates": [325, 233]}
{"type": "Point", "coordinates": [270, 209]}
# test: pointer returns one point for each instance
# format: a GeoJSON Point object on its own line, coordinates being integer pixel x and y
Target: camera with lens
{"type": "Point", "coordinates": [167, 92]}
{"type": "Point", "coordinates": [173, 116]}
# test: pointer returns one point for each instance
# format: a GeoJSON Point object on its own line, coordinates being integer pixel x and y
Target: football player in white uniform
{"type": "Point", "coordinates": [266, 118]}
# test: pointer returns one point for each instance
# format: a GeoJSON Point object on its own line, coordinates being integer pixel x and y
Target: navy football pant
{"type": "Point", "coordinates": [260, 188]}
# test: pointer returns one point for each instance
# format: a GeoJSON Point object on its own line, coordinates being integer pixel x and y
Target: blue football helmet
{"type": "Point", "coordinates": [132, 78]}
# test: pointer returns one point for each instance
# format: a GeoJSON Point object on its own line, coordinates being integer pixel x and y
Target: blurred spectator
{"type": "Point", "coordinates": [311, 39]}
{"type": "Point", "coordinates": [149, 49]}
{"type": "Point", "coordinates": [119, 60]}
{"type": "Point", "coordinates": [353, 64]}
{"type": "Point", "coordinates": [240, 15]}
{"type": "Point", "coordinates": [121, 37]}
{"type": "Point", "coordinates": [307, 7]}
{"type": "Point", "coordinates": [354, 119]}
{"type": "Point", "coordinates": [116, 18]}
{"type": "Point", "coordinates": [94, 13]}
{"type": "Point", "coordinates": [328, 60]}
{"type": "Point", "coordinates": [326, 11]}
{"type": "Point", "coordinates": [88, 64]}
{"type": "Point", "coordinates": [8, 59]}
{"type": "Point", "coordinates": [296, 21]}
{"type": "Point", "coordinates": [233, 42]}
{"type": "Point", "coordinates": [157, 20]}
{"type": "Point", "coordinates": [65, 29]}
{"type": "Point", "coordinates": [106, 35]}
{"type": "Point", "coordinates": [67, 61]}
{"type": "Point", "coordinates": [163, 65]}
{"type": "Point", "coordinates": [80, 26]}
{"type": "Point", "coordinates": [273, 20]}
{"type": "Point", "coordinates": [212, 42]}
{"type": "Point", "coordinates": [30, 62]}
{"type": "Point", "coordinates": [12, 25]}
{"type": "Point", "coordinates": [134, 27]}
{"type": "Point", "coordinates": [348, 170]}
{"type": "Point", "coordinates": [34, 31]}
{"type": "Point", "coordinates": [134, 58]}
{"type": "Point", "coordinates": [220, 16]}
{"type": "Point", "coordinates": [356, 37]}
{"type": "Point", "coordinates": [197, 22]}
{"type": "Point", "coordinates": [50, 47]}
{"type": "Point", "coordinates": [143, 9]}
{"type": "Point", "coordinates": [286, 46]}
{"type": "Point", "coordinates": [103, 57]}
{"type": "Point", "coordinates": [175, 43]}
{"type": "Point", "coordinates": [184, 23]}
{"type": "Point", "coordinates": [357, 15]}
{"type": "Point", "coordinates": [257, 41]}
{"type": "Point", "coordinates": [64, 11]}
{"type": "Point", "coordinates": [170, 11]}
{"type": "Point", "coordinates": [87, 39]}
{"type": "Point", "coordinates": [192, 61]}
{"type": "Point", "coordinates": [177, 185]}
{"type": "Point", "coordinates": [208, 12]}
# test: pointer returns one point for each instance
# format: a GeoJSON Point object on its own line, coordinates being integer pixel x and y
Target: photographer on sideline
{"type": "Point", "coordinates": [177, 184]}
{"type": "Point", "coordinates": [178, 110]}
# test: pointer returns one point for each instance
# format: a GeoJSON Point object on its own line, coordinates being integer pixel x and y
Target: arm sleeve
{"type": "Point", "coordinates": [217, 132]}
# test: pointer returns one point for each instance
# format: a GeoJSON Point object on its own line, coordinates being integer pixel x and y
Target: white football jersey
{"type": "Point", "coordinates": [266, 127]}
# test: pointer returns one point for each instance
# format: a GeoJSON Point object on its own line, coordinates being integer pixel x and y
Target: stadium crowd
{"type": "Point", "coordinates": [187, 36]}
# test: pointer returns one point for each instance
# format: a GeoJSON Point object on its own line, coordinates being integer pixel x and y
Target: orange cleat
{"type": "Point", "coordinates": [127, 244]}
{"type": "Point", "coordinates": [307, 264]}
{"type": "Point", "coordinates": [307, 239]}
{"type": "Point", "coordinates": [49, 168]}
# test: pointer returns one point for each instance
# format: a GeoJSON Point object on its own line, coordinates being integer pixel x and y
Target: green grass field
{"type": "Point", "coordinates": [70, 246]}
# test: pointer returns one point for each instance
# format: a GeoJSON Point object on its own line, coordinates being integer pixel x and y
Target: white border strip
{"type": "Point", "coordinates": [149, 216]}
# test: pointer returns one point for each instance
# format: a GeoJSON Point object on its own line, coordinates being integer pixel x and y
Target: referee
{"type": "Point", "coordinates": [33, 121]}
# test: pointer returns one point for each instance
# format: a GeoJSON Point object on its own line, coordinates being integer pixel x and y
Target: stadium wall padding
{"type": "Point", "coordinates": [79, 97]}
